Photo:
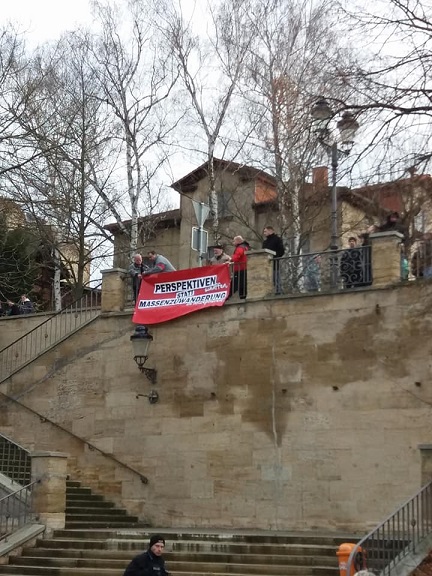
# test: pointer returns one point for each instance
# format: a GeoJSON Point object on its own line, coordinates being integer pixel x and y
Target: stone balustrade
{"type": "Point", "coordinates": [386, 271]}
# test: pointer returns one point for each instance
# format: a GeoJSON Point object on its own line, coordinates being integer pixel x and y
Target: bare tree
{"type": "Point", "coordinates": [210, 67]}
{"type": "Point", "coordinates": [14, 149]}
{"type": "Point", "coordinates": [19, 262]}
{"type": "Point", "coordinates": [136, 78]}
{"type": "Point", "coordinates": [64, 185]}
{"type": "Point", "coordinates": [291, 61]}
{"type": "Point", "coordinates": [392, 88]}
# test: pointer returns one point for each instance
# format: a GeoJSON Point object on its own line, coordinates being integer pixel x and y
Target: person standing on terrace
{"type": "Point", "coordinates": [160, 264]}
{"type": "Point", "coordinates": [239, 257]}
{"type": "Point", "coordinates": [275, 243]}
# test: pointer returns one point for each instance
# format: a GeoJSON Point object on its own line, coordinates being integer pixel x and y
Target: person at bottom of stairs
{"type": "Point", "coordinates": [150, 563]}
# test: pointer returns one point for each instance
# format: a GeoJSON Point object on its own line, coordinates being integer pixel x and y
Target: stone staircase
{"type": "Point", "coordinates": [100, 539]}
{"type": "Point", "coordinates": [87, 510]}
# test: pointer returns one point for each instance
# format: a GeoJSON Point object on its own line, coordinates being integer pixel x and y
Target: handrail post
{"type": "Point", "coordinates": [49, 495]}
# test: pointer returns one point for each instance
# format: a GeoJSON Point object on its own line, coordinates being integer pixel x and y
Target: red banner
{"type": "Point", "coordinates": [169, 295]}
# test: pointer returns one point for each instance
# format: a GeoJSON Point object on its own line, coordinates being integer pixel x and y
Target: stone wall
{"type": "Point", "coordinates": [278, 413]}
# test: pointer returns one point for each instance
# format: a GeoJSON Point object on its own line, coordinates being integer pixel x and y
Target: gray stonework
{"type": "Point", "coordinates": [283, 414]}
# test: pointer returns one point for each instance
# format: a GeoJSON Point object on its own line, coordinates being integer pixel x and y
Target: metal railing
{"type": "Point", "coordinates": [50, 332]}
{"type": "Point", "coordinates": [398, 536]}
{"type": "Point", "coordinates": [323, 271]}
{"type": "Point", "coordinates": [15, 461]}
{"type": "Point", "coordinates": [128, 290]}
{"type": "Point", "coordinates": [16, 510]}
{"type": "Point", "coordinates": [421, 261]}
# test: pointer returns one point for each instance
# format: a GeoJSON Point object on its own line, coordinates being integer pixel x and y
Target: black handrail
{"type": "Point", "coordinates": [398, 536]}
{"type": "Point", "coordinates": [51, 316]}
{"type": "Point", "coordinates": [16, 510]}
{"type": "Point", "coordinates": [15, 461]}
{"type": "Point", "coordinates": [47, 334]}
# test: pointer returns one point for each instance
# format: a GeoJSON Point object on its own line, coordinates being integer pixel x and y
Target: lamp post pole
{"type": "Point", "coordinates": [322, 115]}
{"type": "Point", "coordinates": [334, 242]}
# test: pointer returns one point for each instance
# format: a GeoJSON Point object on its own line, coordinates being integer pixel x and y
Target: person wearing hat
{"type": "Point", "coordinates": [219, 256]}
{"type": "Point", "coordinates": [150, 563]}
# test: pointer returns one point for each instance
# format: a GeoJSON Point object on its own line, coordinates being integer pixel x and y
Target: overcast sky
{"type": "Point", "coordinates": [45, 19]}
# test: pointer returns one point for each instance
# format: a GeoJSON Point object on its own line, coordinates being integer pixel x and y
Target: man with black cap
{"type": "Point", "coordinates": [150, 563]}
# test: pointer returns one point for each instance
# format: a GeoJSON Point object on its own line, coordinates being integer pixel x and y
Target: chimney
{"type": "Point", "coordinates": [320, 177]}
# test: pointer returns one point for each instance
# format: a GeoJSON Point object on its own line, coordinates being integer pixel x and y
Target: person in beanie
{"type": "Point", "coordinates": [150, 563]}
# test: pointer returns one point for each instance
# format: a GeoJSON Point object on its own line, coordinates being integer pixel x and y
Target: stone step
{"type": "Point", "coordinates": [99, 524]}
{"type": "Point", "coordinates": [75, 544]}
{"type": "Point", "coordinates": [54, 571]}
{"type": "Point", "coordinates": [93, 503]}
{"type": "Point", "coordinates": [70, 490]}
{"type": "Point", "coordinates": [215, 557]}
{"type": "Point", "coordinates": [101, 513]}
{"type": "Point", "coordinates": [176, 567]}
{"type": "Point", "coordinates": [101, 539]}
{"type": "Point", "coordinates": [85, 498]}
{"type": "Point", "coordinates": [123, 547]}
{"type": "Point", "coordinates": [72, 484]}
{"type": "Point", "coordinates": [192, 537]}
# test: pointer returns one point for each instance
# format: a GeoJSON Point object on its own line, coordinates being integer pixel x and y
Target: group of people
{"type": "Point", "coordinates": [358, 262]}
{"type": "Point", "coordinates": [353, 264]}
{"type": "Point", "coordinates": [239, 259]}
{"type": "Point", "coordinates": [158, 263]}
{"type": "Point", "coordinates": [24, 306]}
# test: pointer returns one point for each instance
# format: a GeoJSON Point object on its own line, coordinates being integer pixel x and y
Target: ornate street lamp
{"type": "Point", "coordinates": [347, 126]}
{"type": "Point", "coordinates": [141, 340]}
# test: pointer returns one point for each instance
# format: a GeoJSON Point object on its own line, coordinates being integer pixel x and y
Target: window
{"type": "Point", "coordinates": [224, 203]}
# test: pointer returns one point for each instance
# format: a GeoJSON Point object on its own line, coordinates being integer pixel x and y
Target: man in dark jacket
{"type": "Point", "coordinates": [274, 242]}
{"type": "Point", "coordinates": [150, 563]}
{"type": "Point", "coordinates": [393, 223]}
{"type": "Point", "coordinates": [26, 306]}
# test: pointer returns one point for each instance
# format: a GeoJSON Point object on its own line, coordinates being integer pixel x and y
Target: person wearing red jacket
{"type": "Point", "coordinates": [239, 257]}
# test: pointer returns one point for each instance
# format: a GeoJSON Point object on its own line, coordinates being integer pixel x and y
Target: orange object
{"type": "Point", "coordinates": [343, 554]}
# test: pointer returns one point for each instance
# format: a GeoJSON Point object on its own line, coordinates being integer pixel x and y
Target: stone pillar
{"type": "Point", "coordinates": [426, 477]}
{"type": "Point", "coordinates": [386, 258]}
{"type": "Point", "coordinates": [425, 463]}
{"type": "Point", "coordinates": [49, 495]}
{"type": "Point", "coordinates": [113, 290]}
{"type": "Point", "coordinates": [259, 273]}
